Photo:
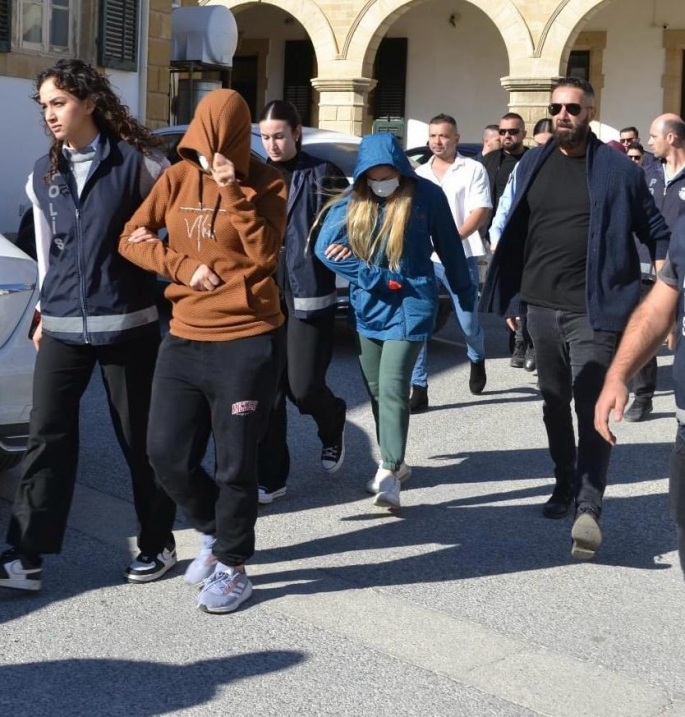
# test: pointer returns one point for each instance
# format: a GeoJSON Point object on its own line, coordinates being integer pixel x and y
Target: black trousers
{"type": "Point", "coordinates": [643, 383]}
{"type": "Point", "coordinates": [309, 349]}
{"type": "Point", "coordinates": [572, 360]}
{"type": "Point", "coordinates": [224, 388]}
{"type": "Point", "coordinates": [676, 490]}
{"type": "Point", "coordinates": [44, 495]}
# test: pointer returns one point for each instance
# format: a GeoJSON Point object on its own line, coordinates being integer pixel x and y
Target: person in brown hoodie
{"type": "Point", "coordinates": [218, 367]}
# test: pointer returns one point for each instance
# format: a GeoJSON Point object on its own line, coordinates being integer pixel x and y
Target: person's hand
{"type": "Point", "coordinates": [671, 340]}
{"type": "Point", "coordinates": [336, 252]}
{"type": "Point", "coordinates": [513, 323]}
{"type": "Point", "coordinates": [614, 397]}
{"type": "Point", "coordinates": [204, 279]}
{"type": "Point", "coordinates": [37, 335]}
{"type": "Point", "coordinates": [142, 234]}
{"type": "Point", "coordinates": [223, 170]}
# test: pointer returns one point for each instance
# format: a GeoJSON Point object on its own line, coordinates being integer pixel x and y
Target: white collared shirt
{"type": "Point", "coordinates": [467, 188]}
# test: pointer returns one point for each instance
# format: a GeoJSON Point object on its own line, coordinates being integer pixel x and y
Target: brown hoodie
{"type": "Point", "coordinates": [235, 230]}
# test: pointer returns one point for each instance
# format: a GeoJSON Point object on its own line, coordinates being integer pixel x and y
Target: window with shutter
{"type": "Point", "coordinates": [298, 71]}
{"type": "Point", "coordinates": [5, 24]}
{"type": "Point", "coordinates": [390, 70]}
{"type": "Point", "coordinates": [118, 45]}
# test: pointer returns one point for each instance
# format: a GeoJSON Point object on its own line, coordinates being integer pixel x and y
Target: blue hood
{"type": "Point", "coordinates": [382, 148]}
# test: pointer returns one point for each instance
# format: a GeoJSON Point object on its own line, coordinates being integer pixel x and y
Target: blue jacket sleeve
{"type": "Point", "coordinates": [503, 210]}
{"type": "Point", "coordinates": [450, 249]}
{"type": "Point", "coordinates": [649, 224]}
{"type": "Point", "coordinates": [367, 277]}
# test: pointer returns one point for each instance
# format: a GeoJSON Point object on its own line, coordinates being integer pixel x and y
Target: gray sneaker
{"type": "Point", "coordinates": [204, 565]}
{"type": "Point", "coordinates": [224, 591]}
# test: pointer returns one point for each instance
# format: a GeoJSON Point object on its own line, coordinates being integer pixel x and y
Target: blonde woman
{"type": "Point", "coordinates": [379, 236]}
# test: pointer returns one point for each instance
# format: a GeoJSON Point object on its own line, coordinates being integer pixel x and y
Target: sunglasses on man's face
{"type": "Point", "coordinates": [635, 157]}
{"type": "Point", "coordinates": [513, 132]}
{"type": "Point", "coordinates": [573, 108]}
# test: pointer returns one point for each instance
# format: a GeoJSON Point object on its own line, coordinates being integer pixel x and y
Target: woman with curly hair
{"type": "Point", "coordinates": [95, 307]}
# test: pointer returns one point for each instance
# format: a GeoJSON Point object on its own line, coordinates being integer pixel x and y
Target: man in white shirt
{"type": "Point", "coordinates": [466, 186]}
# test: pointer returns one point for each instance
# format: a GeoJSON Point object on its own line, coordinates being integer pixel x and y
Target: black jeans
{"type": "Point", "coordinates": [572, 360]}
{"type": "Point", "coordinates": [676, 490]}
{"type": "Point", "coordinates": [643, 383]}
{"type": "Point", "coordinates": [309, 349]}
{"type": "Point", "coordinates": [44, 495]}
{"type": "Point", "coordinates": [225, 388]}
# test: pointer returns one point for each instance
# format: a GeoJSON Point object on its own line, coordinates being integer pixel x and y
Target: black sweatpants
{"type": "Point", "coordinates": [643, 383]}
{"type": "Point", "coordinates": [309, 349]}
{"type": "Point", "coordinates": [62, 373]}
{"type": "Point", "coordinates": [224, 388]}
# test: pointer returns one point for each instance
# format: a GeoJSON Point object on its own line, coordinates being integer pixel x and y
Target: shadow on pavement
{"type": "Point", "coordinates": [127, 687]}
{"type": "Point", "coordinates": [484, 535]}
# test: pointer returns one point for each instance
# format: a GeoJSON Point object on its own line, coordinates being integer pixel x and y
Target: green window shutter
{"type": "Point", "coordinates": [5, 25]}
{"type": "Point", "coordinates": [118, 45]}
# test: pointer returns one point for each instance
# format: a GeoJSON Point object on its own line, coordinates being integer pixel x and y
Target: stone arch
{"type": "Point", "coordinates": [562, 29]}
{"type": "Point", "coordinates": [377, 16]}
{"type": "Point", "coordinates": [306, 12]}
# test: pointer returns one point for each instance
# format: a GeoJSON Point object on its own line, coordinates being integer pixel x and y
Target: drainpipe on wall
{"type": "Point", "coordinates": [142, 60]}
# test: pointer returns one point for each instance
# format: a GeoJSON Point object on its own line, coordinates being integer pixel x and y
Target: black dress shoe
{"type": "Point", "coordinates": [419, 399]}
{"type": "Point", "coordinates": [529, 362]}
{"type": "Point", "coordinates": [639, 410]}
{"type": "Point", "coordinates": [478, 378]}
{"type": "Point", "coordinates": [559, 503]}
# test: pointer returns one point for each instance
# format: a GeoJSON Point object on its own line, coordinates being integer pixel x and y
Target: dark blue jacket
{"type": "Point", "coordinates": [399, 305]}
{"type": "Point", "coordinates": [676, 255]}
{"type": "Point", "coordinates": [312, 285]}
{"type": "Point", "coordinates": [620, 205]}
{"type": "Point", "coordinates": [91, 294]}
{"type": "Point", "coordinates": [670, 200]}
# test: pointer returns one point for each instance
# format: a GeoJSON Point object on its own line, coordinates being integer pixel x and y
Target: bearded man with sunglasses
{"type": "Point", "coordinates": [567, 251]}
{"type": "Point", "coordinates": [500, 164]}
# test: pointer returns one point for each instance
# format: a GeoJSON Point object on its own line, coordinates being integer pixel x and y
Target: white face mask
{"type": "Point", "coordinates": [383, 188]}
{"type": "Point", "coordinates": [204, 162]}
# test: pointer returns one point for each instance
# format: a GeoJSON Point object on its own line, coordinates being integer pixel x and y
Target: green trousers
{"type": "Point", "coordinates": [387, 367]}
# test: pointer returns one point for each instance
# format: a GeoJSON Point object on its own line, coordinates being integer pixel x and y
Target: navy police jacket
{"type": "Point", "coordinates": [90, 293]}
{"type": "Point", "coordinates": [312, 284]}
{"type": "Point", "coordinates": [620, 205]}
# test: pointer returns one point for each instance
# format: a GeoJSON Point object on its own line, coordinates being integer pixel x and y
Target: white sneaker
{"type": "Point", "coordinates": [388, 495]}
{"type": "Point", "coordinates": [265, 496]}
{"type": "Point", "coordinates": [402, 474]}
{"type": "Point", "coordinates": [204, 564]}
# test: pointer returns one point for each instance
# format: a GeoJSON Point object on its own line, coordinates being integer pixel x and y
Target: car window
{"type": "Point", "coordinates": [342, 154]}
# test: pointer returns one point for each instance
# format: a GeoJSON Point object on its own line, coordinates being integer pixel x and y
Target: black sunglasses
{"type": "Point", "coordinates": [635, 157]}
{"type": "Point", "coordinates": [573, 108]}
{"type": "Point", "coordinates": [513, 132]}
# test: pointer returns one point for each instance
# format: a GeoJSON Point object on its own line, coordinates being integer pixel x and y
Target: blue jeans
{"type": "Point", "coordinates": [467, 320]}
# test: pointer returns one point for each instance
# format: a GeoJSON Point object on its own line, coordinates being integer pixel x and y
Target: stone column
{"type": "Point", "coordinates": [159, 61]}
{"type": "Point", "coordinates": [529, 96]}
{"type": "Point", "coordinates": [342, 102]}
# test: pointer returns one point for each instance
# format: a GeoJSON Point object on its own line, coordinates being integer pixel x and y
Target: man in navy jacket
{"type": "Point", "coordinates": [666, 181]}
{"type": "Point", "coordinates": [567, 251]}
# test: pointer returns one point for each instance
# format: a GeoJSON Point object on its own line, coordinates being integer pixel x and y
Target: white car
{"type": "Point", "coordinates": [341, 149]}
{"type": "Point", "coordinates": [18, 298]}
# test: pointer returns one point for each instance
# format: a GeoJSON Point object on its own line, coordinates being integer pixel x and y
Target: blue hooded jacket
{"type": "Point", "coordinates": [399, 305]}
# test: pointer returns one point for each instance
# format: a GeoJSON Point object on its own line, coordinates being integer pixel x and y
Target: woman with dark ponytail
{"type": "Point", "coordinates": [95, 308]}
{"type": "Point", "coordinates": [308, 300]}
